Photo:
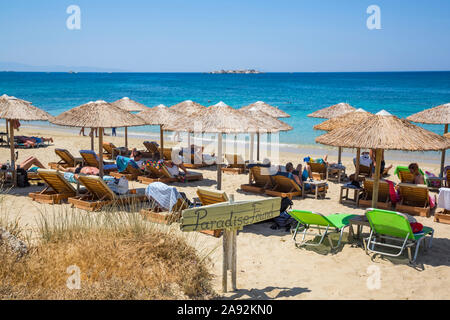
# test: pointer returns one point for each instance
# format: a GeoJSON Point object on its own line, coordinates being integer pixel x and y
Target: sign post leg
{"type": "Point", "coordinates": [225, 261]}
{"type": "Point", "coordinates": [233, 259]}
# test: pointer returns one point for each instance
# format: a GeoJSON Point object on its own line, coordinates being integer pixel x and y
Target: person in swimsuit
{"type": "Point", "coordinates": [28, 163]}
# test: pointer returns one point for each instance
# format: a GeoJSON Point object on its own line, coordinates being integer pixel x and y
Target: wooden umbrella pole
{"type": "Point", "coordinates": [443, 155]}
{"type": "Point", "coordinates": [100, 153]}
{"type": "Point", "coordinates": [219, 162]}
{"type": "Point", "coordinates": [358, 156]}
{"type": "Point", "coordinates": [161, 138]}
{"type": "Point", "coordinates": [257, 146]}
{"type": "Point", "coordinates": [11, 146]}
{"type": "Point", "coordinates": [340, 155]}
{"type": "Point", "coordinates": [376, 181]}
{"type": "Point", "coordinates": [252, 146]}
{"type": "Point", "coordinates": [126, 137]}
{"type": "Point", "coordinates": [7, 130]}
{"type": "Point", "coordinates": [92, 139]}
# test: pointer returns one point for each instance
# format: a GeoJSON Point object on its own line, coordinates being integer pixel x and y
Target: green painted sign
{"type": "Point", "coordinates": [227, 215]}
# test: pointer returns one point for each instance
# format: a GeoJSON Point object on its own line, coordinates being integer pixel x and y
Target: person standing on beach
{"type": "Point", "coordinates": [82, 132]}
{"type": "Point", "coordinates": [113, 132]}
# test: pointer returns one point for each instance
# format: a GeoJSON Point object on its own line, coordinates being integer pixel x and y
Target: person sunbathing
{"type": "Point", "coordinates": [28, 163]}
{"type": "Point", "coordinates": [31, 142]}
{"type": "Point", "coordinates": [418, 177]}
{"type": "Point", "coordinates": [93, 171]}
{"type": "Point", "coordinates": [294, 174]}
{"type": "Point", "coordinates": [174, 169]}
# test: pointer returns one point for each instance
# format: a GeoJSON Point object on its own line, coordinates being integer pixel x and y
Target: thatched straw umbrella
{"type": "Point", "coordinates": [333, 111]}
{"type": "Point", "coordinates": [261, 106]}
{"type": "Point", "coordinates": [131, 106]}
{"type": "Point", "coordinates": [342, 121]}
{"type": "Point", "coordinates": [436, 115]}
{"type": "Point", "coordinates": [13, 109]}
{"type": "Point", "coordinates": [99, 114]}
{"type": "Point", "coordinates": [162, 116]}
{"type": "Point", "coordinates": [380, 132]}
{"type": "Point", "coordinates": [220, 119]}
{"type": "Point", "coordinates": [188, 108]}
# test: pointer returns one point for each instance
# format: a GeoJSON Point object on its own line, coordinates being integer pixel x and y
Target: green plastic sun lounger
{"type": "Point", "coordinates": [391, 225]}
{"type": "Point", "coordinates": [334, 223]}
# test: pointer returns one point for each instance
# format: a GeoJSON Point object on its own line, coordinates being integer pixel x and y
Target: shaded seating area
{"type": "Point", "coordinates": [127, 168]}
{"type": "Point", "coordinates": [100, 195]}
{"type": "Point", "coordinates": [392, 231]}
{"type": "Point", "coordinates": [57, 190]}
{"type": "Point", "coordinates": [110, 151]}
{"type": "Point", "coordinates": [384, 200]}
{"type": "Point", "coordinates": [90, 159]}
{"type": "Point", "coordinates": [157, 172]}
{"type": "Point", "coordinates": [235, 164]}
{"type": "Point", "coordinates": [67, 160]}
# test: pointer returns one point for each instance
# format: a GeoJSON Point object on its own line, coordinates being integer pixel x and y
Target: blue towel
{"type": "Point", "coordinates": [123, 162]}
{"type": "Point", "coordinates": [164, 195]}
{"type": "Point", "coordinates": [70, 177]}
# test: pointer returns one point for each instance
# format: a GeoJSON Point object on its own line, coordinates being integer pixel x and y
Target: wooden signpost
{"type": "Point", "coordinates": [229, 216]}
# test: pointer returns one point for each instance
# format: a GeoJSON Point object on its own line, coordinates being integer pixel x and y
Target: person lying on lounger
{"type": "Point", "coordinates": [92, 171]}
{"type": "Point", "coordinates": [28, 163]}
{"type": "Point", "coordinates": [31, 142]}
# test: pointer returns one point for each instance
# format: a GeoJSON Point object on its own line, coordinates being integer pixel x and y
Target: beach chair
{"type": "Point", "coordinates": [415, 199]}
{"type": "Point", "coordinates": [99, 195]}
{"type": "Point", "coordinates": [259, 180]}
{"type": "Point", "coordinates": [111, 151]}
{"type": "Point", "coordinates": [283, 187]}
{"type": "Point", "coordinates": [131, 172]}
{"type": "Point", "coordinates": [207, 197]}
{"type": "Point", "coordinates": [384, 198]}
{"type": "Point", "coordinates": [67, 159]}
{"type": "Point", "coordinates": [91, 159]}
{"type": "Point", "coordinates": [57, 189]}
{"type": "Point", "coordinates": [163, 175]}
{"type": "Point", "coordinates": [152, 149]}
{"type": "Point", "coordinates": [236, 164]}
{"type": "Point", "coordinates": [365, 171]}
{"type": "Point", "coordinates": [325, 225]}
{"type": "Point", "coordinates": [318, 170]}
{"type": "Point", "coordinates": [394, 226]}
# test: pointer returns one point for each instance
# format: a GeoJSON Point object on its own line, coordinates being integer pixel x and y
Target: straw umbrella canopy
{"type": "Point", "coordinates": [341, 121]}
{"type": "Point", "coordinates": [332, 111]}
{"type": "Point", "coordinates": [99, 114]}
{"type": "Point", "coordinates": [267, 108]}
{"type": "Point", "coordinates": [11, 109]}
{"type": "Point", "coordinates": [162, 116]}
{"type": "Point", "coordinates": [131, 106]}
{"type": "Point", "coordinates": [220, 119]}
{"type": "Point", "coordinates": [436, 115]}
{"type": "Point", "coordinates": [188, 108]}
{"type": "Point", "coordinates": [384, 131]}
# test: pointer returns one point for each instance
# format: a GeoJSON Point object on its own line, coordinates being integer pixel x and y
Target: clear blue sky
{"type": "Point", "coordinates": [205, 35]}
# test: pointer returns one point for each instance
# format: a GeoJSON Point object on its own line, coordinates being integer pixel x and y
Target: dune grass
{"type": "Point", "coordinates": [118, 254]}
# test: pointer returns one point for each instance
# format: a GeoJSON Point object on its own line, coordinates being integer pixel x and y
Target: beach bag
{"type": "Point", "coordinates": [22, 178]}
{"type": "Point", "coordinates": [416, 227]}
{"type": "Point", "coordinates": [284, 220]}
{"type": "Point", "coordinates": [119, 186]}
{"type": "Point", "coordinates": [432, 183]}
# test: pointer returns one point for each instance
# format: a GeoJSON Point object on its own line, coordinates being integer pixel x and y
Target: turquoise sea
{"type": "Point", "coordinates": [400, 93]}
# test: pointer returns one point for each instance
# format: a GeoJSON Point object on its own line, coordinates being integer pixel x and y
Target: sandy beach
{"type": "Point", "coordinates": [269, 265]}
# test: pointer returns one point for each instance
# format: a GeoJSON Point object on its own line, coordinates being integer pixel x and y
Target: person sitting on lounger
{"type": "Point", "coordinates": [418, 177]}
{"type": "Point", "coordinates": [137, 156]}
{"type": "Point", "coordinates": [383, 169]}
{"type": "Point", "coordinates": [294, 174]}
{"type": "Point", "coordinates": [174, 169]}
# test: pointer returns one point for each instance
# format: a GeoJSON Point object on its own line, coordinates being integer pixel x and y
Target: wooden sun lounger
{"type": "Point", "coordinates": [236, 165]}
{"type": "Point", "coordinates": [151, 151]}
{"type": "Point", "coordinates": [318, 170]}
{"type": "Point", "coordinates": [90, 159]}
{"type": "Point", "coordinates": [100, 195]}
{"type": "Point", "coordinates": [384, 198]}
{"type": "Point", "coordinates": [67, 160]}
{"type": "Point", "coordinates": [157, 215]}
{"type": "Point", "coordinates": [163, 175]}
{"type": "Point", "coordinates": [406, 176]}
{"type": "Point", "coordinates": [130, 173]}
{"type": "Point", "coordinates": [57, 190]}
{"type": "Point", "coordinates": [111, 151]}
{"type": "Point", "coordinates": [259, 180]}
{"type": "Point", "coordinates": [207, 197]}
{"type": "Point", "coordinates": [284, 187]}
{"type": "Point", "coordinates": [415, 199]}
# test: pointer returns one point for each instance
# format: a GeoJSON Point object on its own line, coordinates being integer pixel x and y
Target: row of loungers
{"type": "Point", "coordinates": [415, 199]}
{"type": "Point", "coordinates": [262, 182]}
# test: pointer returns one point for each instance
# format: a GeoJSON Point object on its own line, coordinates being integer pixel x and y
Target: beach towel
{"type": "Point", "coordinates": [70, 177]}
{"type": "Point", "coordinates": [392, 192]}
{"type": "Point", "coordinates": [165, 196]}
{"type": "Point", "coordinates": [431, 183]}
{"type": "Point", "coordinates": [123, 162]}
{"type": "Point", "coordinates": [444, 198]}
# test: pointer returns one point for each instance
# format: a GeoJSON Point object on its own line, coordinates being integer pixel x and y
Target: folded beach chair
{"type": "Point", "coordinates": [100, 195]}
{"type": "Point", "coordinates": [259, 180]}
{"type": "Point", "coordinates": [415, 199]}
{"type": "Point", "coordinates": [335, 223]}
{"type": "Point", "coordinates": [127, 168]}
{"type": "Point", "coordinates": [318, 170]}
{"type": "Point", "coordinates": [111, 151]}
{"type": "Point", "coordinates": [384, 197]}
{"type": "Point", "coordinates": [57, 189]}
{"type": "Point", "coordinates": [236, 164]}
{"type": "Point", "coordinates": [91, 159]}
{"type": "Point", "coordinates": [162, 207]}
{"type": "Point", "coordinates": [283, 187]}
{"type": "Point", "coordinates": [207, 197]}
{"type": "Point", "coordinates": [390, 225]}
{"type": "Point", "coordinates": [163, 175]}
{"type": "Point", "coordinates": [67, 159]}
